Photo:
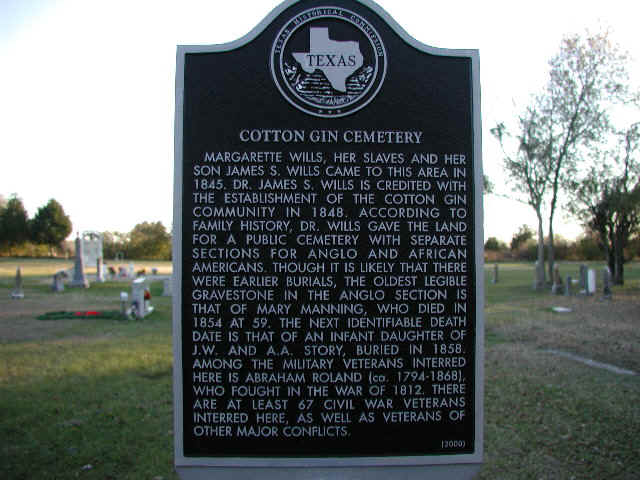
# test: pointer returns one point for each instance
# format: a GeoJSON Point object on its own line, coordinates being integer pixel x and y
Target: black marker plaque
{"type": "Point", "coordinates": [328, 246]}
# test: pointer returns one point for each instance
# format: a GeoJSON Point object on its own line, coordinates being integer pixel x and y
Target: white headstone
{"type": "Point", "coordinates": [99, 270]}
{"type": "Point", "coordinates": [91, 247]}
{"type": "Point", "coordinates": [591, 282]}
{"type": "Point", "coordinates": [141, 304]}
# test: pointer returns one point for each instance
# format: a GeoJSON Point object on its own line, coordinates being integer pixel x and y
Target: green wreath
{"type": "Point", "coordinates": [87, 314]}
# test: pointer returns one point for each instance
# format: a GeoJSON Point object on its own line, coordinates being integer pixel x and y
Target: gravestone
{"type": "Point", "coordinates": [100, 270]}
{"type": "Point", "coordinates": [131, 272]}
{"type": "Point", "coordinates": [606, 283]}
{"type": "Point", "coordinates": [79, 278]}
{"type": "Point", "coordinates": [18, 290]}
{"type": "Point", "coordinates": [591, 282]}
{"type": "Point", "coordinates": [58, 282]}
{"type": "Point", "coordinates": [141, 298]}
{"type": "Point", "coordinates": [91, 247]}
{"type": "Point", "coordinates": [328, 317]}
{"type": "Point", "coordinates": [556, 288]}
{"type": "Point", "coordinates": [494, 279]}
{"type": "Point", "coordinates": [582, 286]}
{"type": "Point", "coordinates": [124, 300]}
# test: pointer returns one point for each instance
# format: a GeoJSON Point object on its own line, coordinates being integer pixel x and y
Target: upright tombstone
{"type": "Point", "coordinates": [100, 270]}
{"type": "Point", "coordinates": [568, 285]}
{"type": "Point", "coordinates": [591, 282]}
{"type": "Point", "coordinates": [91, 247]}
{"type": "Point", "coordinates": [494, 279]}
{"type": "Point", "coordinates": [139, 301]}
{"type": "Point", "coordinates": [79, 278]}
{"type": "Point", "coordinates": [582, 285]}
{"type": "Point", "coordinates": [18, 290]}
{"type": "Point", "coordinates": [556, 288]}
{"type": "Point", "coordinates": [328, 264]}
{"type": "Point", "coordinates": [58, 282]}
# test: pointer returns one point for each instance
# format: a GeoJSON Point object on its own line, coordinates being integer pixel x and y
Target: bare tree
{"type": "Point", "coordinates": [529, 172]}
{"type": "Point", "coordinates": [587, 77]}
{"type": "Point", "coordinates": [571, 115]}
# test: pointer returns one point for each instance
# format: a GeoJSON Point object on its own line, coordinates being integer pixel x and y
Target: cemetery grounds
{"type": "Point", "coordinates": [93, 398]}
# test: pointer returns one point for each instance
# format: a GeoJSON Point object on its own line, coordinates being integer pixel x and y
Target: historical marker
{"type": "Point", "coordinates": [328, 307]}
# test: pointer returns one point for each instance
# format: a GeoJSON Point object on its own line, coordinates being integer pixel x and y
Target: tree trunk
{"type": "Point", "coordinates": [618, 261]}
{"type": "Point", "coordinates": [540, 280]}
{"type": "Point", "coordinates": [551, 254]}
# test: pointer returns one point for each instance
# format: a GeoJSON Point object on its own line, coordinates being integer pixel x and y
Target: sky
{"type": "Point", "coordinates": [87, 91]}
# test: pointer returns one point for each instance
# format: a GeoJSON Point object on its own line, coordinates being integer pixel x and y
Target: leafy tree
{"type": "Point", "coordinates": [114, 243]}
{"type": "Point", "coordinates": [607, 199]}
{"type": "Point", "coordinates": [570, 116]}
{"type": "Point", "coordinates": [150, 241]}
{"type": "Point", "coordinates": [50, 225]}
{"type": "Point", "coordinates": [588, 247]}
{"type": "Point", "coordinates": [522, 236]}
{"type": "Point", "coordinates": [494, 244]}
{"type": "Point", "coordinates": [14, 229]}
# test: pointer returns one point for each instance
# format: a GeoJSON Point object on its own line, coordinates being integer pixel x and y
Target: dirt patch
{"type": "Point", "coordinates": [603, 330]}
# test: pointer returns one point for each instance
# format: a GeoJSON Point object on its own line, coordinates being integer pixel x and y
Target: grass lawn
{"type": "Point", "coordinates": [92, 398]}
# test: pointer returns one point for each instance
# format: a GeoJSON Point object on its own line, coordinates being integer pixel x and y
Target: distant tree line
{"type": "Point", "coordinates": [46, 232]}
{"type": "Point", "coordinates": [524, 247]}
{"type": "Point", "coordinates": [41, 235]}
{"type": "Point", "coordinates": [568, 149]}
{"type": "Point", "coordinates": [147, 241]}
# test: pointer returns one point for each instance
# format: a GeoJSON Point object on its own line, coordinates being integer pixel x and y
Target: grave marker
{"type": "Point", "coordinates": [58, 283]}
{"type": "Point", "coordinates": [18, 290]}
{"type": "Point", "coordinates": [591, 282]}
{"type": "Point", "coordinates": [91, 247]}
{"type": "Point", "coordinates": [328, 263]}
{"type": "Point", "coordinates": [79, 278]}
{"type": "Point", "coordinates": [583, 279]}
{"type": "Point", "coordinates": [99, 270]}
{"type": "Point", "coordinates": [140, 298]}
{"type": "Point", "coordinates": [556, 288]}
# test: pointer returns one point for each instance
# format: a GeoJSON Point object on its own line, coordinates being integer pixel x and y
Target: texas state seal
{"type": "Point", "coordinates": [328, 62]}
